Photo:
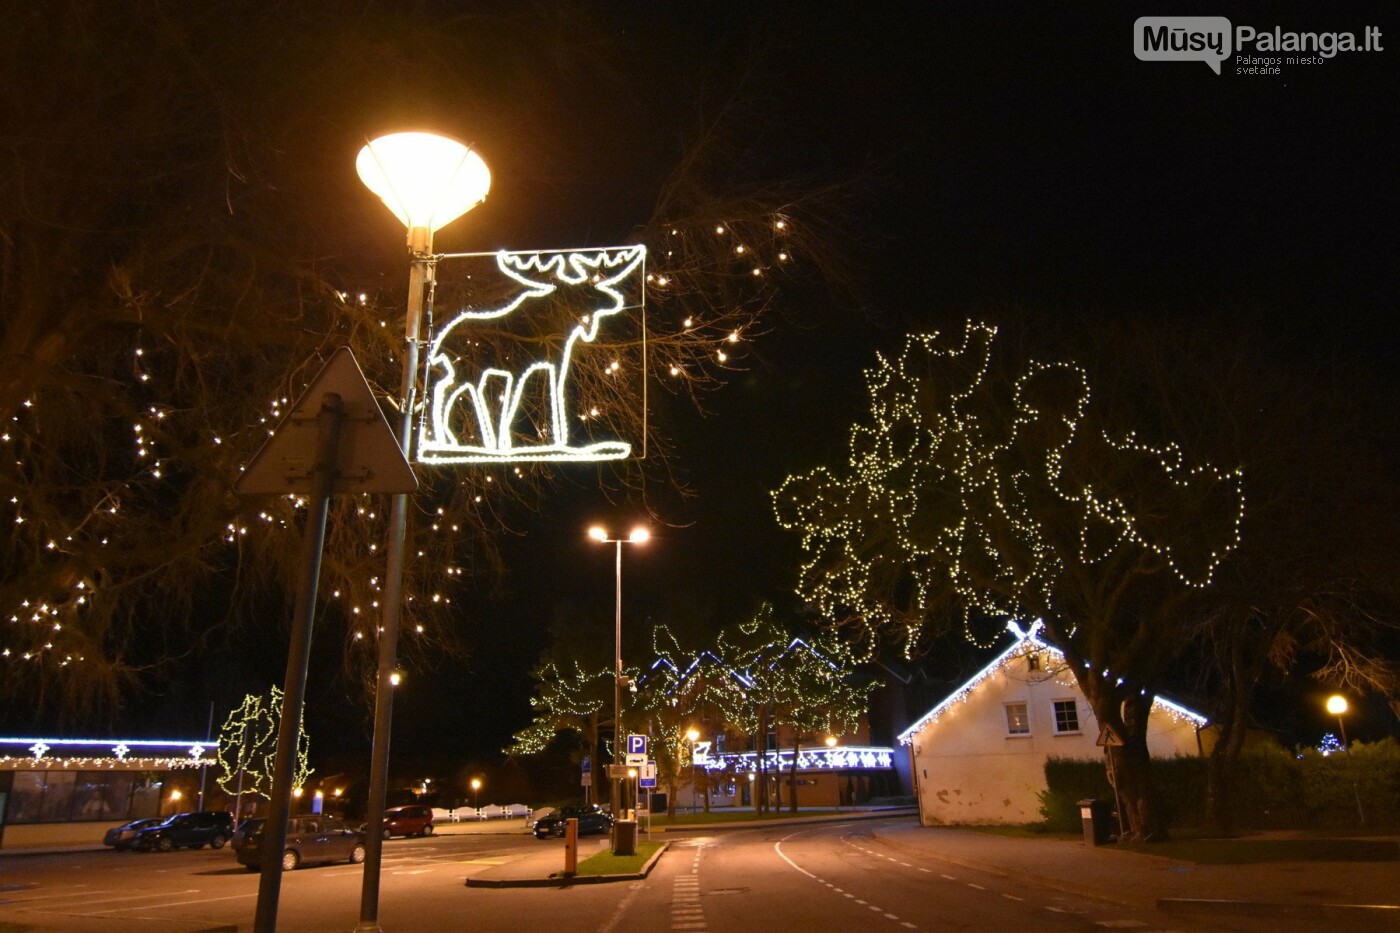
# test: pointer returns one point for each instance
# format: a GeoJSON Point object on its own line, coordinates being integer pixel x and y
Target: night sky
{"type": "Point", "coordinates": [1013, 163]}
{"type": "Point", "coordinates": [1023, 168]}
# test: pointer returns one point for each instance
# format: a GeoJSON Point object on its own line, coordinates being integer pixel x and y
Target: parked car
{"type": "Point", "coordinates": [410, 820]}
{"type": "Point", "coordinates": [240, 835]}
{"type": "Point", "coordinates": [309, 839]}
{"type": "Point", "coordinates": [121, 837]}
{"type": "Point", "coordinates": [591, 820]}
{"type": "Point", "coordinates": [188, 831]}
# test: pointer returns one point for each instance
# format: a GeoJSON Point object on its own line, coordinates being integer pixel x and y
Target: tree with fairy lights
{"type": "Point", "coordinates": [567, 698]}
{"type": "Point", "coordinates": [248, 749]}
{"type": "Point", "coordinates": [671, 700]}
{"type": "Point", "coordinates": [1311, 588]}
{"type": "Point", "coordinates": [184, 249]}
{"type": "Point", "coordinates": [783, 681]}
{"type": "Point", "coordinates": [984, 487]}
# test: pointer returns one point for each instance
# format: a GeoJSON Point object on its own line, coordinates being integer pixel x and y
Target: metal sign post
{"type": "Point", "coordinates": [353, 451]}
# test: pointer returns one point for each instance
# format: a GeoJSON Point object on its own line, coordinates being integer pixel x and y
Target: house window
{"type": "Point", "coordinates": [1032, 662]}
{"type": "Point", "coordinates": [1066, 716]}
{"type": "Point", "coordinates": [1018, 721]}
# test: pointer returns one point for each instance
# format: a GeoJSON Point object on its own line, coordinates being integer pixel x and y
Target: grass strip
{"type": "Point", "coordinates": [605, 863]}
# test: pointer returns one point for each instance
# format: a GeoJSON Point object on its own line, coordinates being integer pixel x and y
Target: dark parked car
{"type": "Point", "coordinates": [591, 820]}
{"type": "Point", "coordinates": [411, 820]}
{"type": "Point", "coordinates": [122, 837]}
{"type": "Point", "coordinates": [187, 830]}
{"type": "Point", "coordinates": [309, 839]}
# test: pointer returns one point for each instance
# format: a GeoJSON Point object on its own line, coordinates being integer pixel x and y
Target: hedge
{"type": "Point", "coordinates": [1272, 788]}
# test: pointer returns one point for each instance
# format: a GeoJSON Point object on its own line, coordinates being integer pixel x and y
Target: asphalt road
{"type": "Point", "coordinates": [830, 877]}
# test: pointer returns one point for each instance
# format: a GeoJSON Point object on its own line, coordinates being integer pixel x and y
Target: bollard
{"type": "Point", "coordinates": [571, 847]}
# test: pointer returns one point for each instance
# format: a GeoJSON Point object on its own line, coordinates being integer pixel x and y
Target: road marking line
{"type": "Point", "coordinates": [137, 897]}
{"type": "Point", "coordinates": [948, 877]}
{"type": "Point", "coordinates": [977, 886]}
{"type": "Point", "coordinates": [198, 900]}
{"type": "Point", "coordinates": [1012, 897]}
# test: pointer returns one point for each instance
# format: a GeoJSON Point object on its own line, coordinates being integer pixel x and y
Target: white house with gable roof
{"type": "Point", "coordinates": [979, 755]}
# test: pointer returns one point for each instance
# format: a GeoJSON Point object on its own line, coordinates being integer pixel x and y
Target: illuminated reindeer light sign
{"type": "Point", "coordinates": [500, 415]}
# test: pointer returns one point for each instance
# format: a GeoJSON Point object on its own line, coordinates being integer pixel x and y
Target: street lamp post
{"type": "Point", "coordinates": [428, 181]}
{"type": "Point", "coordinates": [1337, 706]}
{"type": "Point", "coordinates": [692, 735]}
{"type": "Point", "coordinates": [637, 536]}
{"type": "Point", "coordinates": [476, 786]}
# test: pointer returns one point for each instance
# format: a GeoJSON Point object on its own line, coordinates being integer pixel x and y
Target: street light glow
{"type": "Point", "coordinates": [639, 535]}
{"type": "Point", "coordinates": [598, 533]}
{"type": "Point", "coordinates": [427, 180]}
{"type": "Point", "coordinates": [1336, 704]}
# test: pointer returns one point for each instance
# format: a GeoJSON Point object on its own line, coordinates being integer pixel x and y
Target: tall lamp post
{"type": "Point", "coordinates": [428, 181]}
{"type": "Point", "coordinates": [1337, 706]}
{"type": "Point", "coordinates": [476, 786]}
{"type": "Point", "coordinates": [692, 736]}
{"type": "Point", "coordinates": [638, 535]}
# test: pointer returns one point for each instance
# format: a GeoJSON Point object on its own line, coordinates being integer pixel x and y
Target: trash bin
{"type": "Point", "coordinates": [625, 837]}
{"type": "Point", "coordinates": [1097, 818]}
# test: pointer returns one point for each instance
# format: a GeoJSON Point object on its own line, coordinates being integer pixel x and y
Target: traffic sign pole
{"type": "Point", "coordinates": [298, 656]}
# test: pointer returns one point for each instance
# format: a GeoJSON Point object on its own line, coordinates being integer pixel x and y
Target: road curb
{"type": "Point", "coordinates": [560, 881]}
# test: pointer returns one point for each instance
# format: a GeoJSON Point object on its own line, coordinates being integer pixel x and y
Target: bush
{"type": "Point", "coordinates": [1271, 787]}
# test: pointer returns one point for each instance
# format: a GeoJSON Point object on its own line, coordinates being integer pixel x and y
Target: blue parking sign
{"type": "Point", "coordinates": [636, 745]}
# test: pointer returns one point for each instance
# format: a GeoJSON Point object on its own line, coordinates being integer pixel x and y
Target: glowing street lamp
{"type": "Point", "coordinates": [428, 181]}
{"type": "Point", "coordinates": [1337, 706]}
{"type": "Point", "coordinates": [638, 535]}
{"type": "Point", "coordinates": [476, 786]}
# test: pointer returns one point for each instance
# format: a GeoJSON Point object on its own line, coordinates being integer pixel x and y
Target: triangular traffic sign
{"type": "Point", "coordinates": [1107, 737]}
{"type": "Point", "coordinates": [369, 458]}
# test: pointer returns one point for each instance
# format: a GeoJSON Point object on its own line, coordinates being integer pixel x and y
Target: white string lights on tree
{"type": "Point", "coordinates": [247, 751]}
{"type": "Point", "coordinates": [995, 492]}
{"type": "Point", "coordinates": [165, 429]}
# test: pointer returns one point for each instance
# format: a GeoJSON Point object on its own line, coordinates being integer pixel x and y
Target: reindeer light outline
{"type": "Point", "coordinates": [606, 269]}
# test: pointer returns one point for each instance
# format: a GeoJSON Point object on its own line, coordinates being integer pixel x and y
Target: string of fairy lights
{"type": "Point", "coordinates": [760, 677]}
{"type": "Point", "coordinates": [710, 280]}
{"type": "Point", "coordinates": [247, 752]}
{"type": "Point", "coordinates": [956, 484]}
{"type": "Point", "coordinates": [1051, 662]}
